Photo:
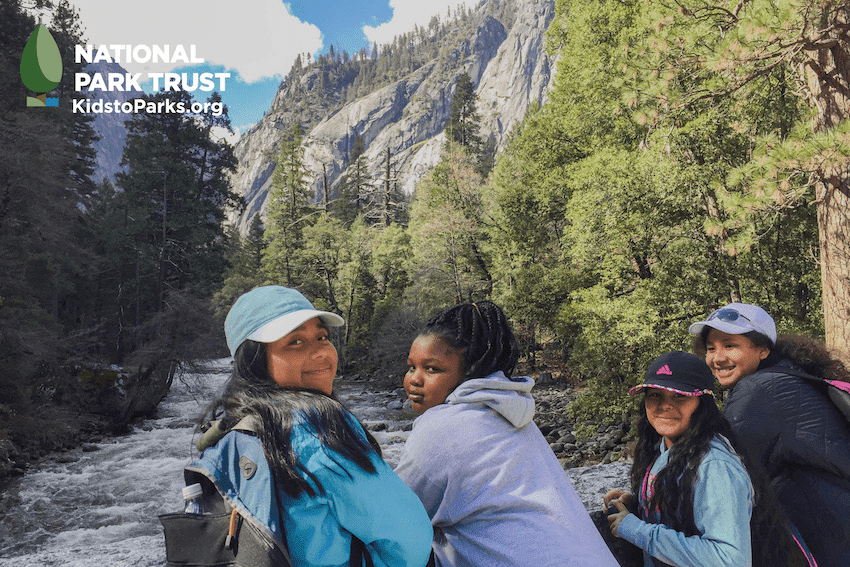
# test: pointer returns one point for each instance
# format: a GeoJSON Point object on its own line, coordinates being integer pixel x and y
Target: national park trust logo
{"type": "Point", "coordinates": [41, 67]}
{"type": "Point", "coordinates": [41, 72]}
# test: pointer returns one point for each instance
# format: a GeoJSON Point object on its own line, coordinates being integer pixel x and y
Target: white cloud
{"type": "Point", "coordinates": [257, 38]}
{"type": "Point", "coordinates": [220, 133]}
{"type": "Point", "coordinates": [407, 13]}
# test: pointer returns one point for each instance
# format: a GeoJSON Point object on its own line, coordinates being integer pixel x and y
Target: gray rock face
{"type": "Point", "coordinates": [519, 75]}
{"type": "Point", "coordinates": [110, 126]}
{"type": "Point", "coordinates": [508, 65]}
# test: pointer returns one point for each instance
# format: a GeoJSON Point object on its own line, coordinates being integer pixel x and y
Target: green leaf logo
{"type": "Point", "coordinates": [41, 62]}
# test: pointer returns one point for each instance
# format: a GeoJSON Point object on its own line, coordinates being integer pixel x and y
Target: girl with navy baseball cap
{"type": "Point", "coordinates": [692, 499]}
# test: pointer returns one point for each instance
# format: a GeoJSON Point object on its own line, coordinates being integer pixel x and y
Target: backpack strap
{"type": "Point", "coordinates": [839, 393]}
{"type": "Point", "coordinates": [212, 431]}
{"type": "Point", "coordinates": [359, 554]}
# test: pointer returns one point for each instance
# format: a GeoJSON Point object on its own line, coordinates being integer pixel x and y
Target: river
{"type": "Point", "coordinates": [97, 506]}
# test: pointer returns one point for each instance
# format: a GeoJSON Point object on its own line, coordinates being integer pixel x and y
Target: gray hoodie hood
{"type": "Point", "coordinates": [509, 397]}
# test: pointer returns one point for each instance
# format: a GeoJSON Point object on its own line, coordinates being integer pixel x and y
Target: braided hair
{"type": "Point", "coordinates": [482, 332]}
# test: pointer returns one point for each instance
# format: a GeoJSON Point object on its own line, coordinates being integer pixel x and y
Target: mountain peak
{"type": "Point", "coordinates": [401, 103]}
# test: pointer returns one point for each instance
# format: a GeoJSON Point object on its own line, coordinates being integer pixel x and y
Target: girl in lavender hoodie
{"type": "Point", "coordinates": [495, 492]}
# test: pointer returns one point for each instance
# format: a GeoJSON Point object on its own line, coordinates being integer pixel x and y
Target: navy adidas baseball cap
{"type": "Point", "coordinates": [266, 314]}
{"type": "Point", "coordinates": [680, 372]}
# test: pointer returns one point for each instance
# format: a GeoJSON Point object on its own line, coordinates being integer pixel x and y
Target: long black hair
{"type": "Point", "coordinates": [252, 392]}
{"type": "Point", "coordinates": [673, 494]}
{"type": "Point", "coordinates": [810, 355]}
{"type": "Point", "coordinates": [482, 332]}
{"type": "Point", "coordinates": [673, 487]}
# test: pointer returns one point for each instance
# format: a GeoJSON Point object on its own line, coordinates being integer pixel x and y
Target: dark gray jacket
{"type": "Point", "coordinates": [790, 426]}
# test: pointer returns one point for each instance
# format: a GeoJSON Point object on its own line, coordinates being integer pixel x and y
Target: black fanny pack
{"type": "Point", "coordinates": [220, 540]}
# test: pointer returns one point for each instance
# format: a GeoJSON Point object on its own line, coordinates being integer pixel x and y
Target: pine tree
{"type": "Point", "coordinates": [175, 191]}
{"type": "Point", "coordinates": [353, 188]}
{"type": "Point", "coordinates": [77, 126]}
{"type": "Point", "coordinates": [383, 202]}
{"type": "Point", "coordinates": [448, 230]}
{"type": "Point", "coordinates": [244, 256]}
{"type": "Point", "coordinates": [729, 51]}
{"type": "Point", "coordinates": [289, 211]}
{"type": "Point", "coordinates": [463, 119]}
{"type": "Point", "coordinates": [44, 258]}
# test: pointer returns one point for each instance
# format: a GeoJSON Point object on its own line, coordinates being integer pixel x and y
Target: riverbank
{"type": "Point", "coordinates": [51, 430]}
{"type": "Point", "coordinates": [81, 407]}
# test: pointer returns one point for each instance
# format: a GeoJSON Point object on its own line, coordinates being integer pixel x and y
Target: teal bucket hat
{"type": "Point", "coordinates": [266, 314]}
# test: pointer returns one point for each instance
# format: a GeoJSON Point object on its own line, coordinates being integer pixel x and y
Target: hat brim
{"type": "Point", "coordinates": [285, 324]}
{"type": "Point", "coordinates": [723, 326]}
{"type": "Point", "coordinates": [693, 393]}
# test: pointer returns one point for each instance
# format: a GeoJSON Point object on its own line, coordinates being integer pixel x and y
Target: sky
{"type": "Point", "coordinates": [256, 41]}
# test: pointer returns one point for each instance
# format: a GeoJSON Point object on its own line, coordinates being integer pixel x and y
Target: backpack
{"type": "Point", "coordinates": [838, 391]}
{"type": "Point", "coordinates": [219, 538]}
{"type": "Point", "coordinates": [225, 536]}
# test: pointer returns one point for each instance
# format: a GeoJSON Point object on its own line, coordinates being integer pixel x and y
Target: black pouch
{"type": "Point", "coordinates": [224, 538]}
{"type": "Point", "coordinates": [218, 540]}
{"type": "Point", "coordinates": [201, 540]}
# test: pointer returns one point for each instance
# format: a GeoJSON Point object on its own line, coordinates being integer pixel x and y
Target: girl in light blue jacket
{"type": "Point", "coordinates": [692, 498]}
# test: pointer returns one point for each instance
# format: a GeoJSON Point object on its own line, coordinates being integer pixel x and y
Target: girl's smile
{"type": "Point", "coordinates": [434, 370]}
{"type": "Point", "coordinates": [304, 358]}
{"type": "Point", "coordinates": [669, 413]}
{"type": "Point", "coordinates": [732, 357]}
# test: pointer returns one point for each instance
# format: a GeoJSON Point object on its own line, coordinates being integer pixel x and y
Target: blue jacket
{"type": "Point", "coordinates": [723, 505]}
{"type": "Point", "coordinates": [377, 508]}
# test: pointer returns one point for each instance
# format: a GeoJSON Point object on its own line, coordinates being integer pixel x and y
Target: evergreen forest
{"type": "Point", "coordinates": [686, 158]}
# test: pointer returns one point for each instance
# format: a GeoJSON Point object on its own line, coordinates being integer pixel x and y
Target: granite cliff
{"type": "Point", "coordinates": [110, 126]}
{"type": "Point", "coordinates": [500, 46]}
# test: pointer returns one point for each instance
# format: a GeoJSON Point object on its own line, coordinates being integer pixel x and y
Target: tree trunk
{"type": "Point", "coordinates": [834, 229]}
{"type": "Point", "coordinates": [828, 79]}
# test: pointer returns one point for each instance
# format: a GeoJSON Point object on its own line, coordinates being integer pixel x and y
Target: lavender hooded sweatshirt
{"type": "Point", "coordinates": [495, 492]}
